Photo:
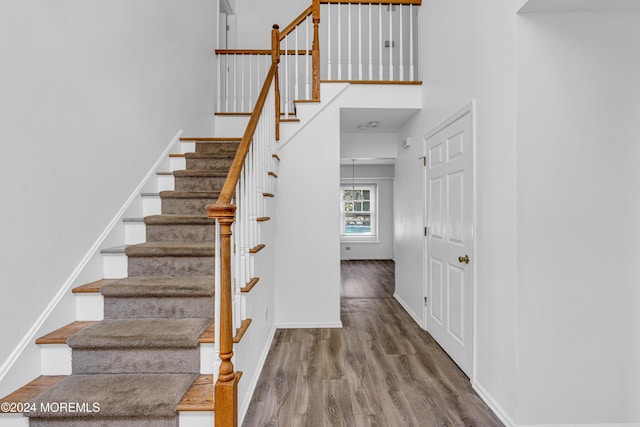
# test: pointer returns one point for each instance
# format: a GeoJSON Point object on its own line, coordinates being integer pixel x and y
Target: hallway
{"type": "Point", "coordinates": [380, 369]}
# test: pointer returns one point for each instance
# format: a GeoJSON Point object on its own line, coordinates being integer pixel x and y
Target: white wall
{"type": "Point", "coordinates": [578, 210]}
{"type": "Point", "coordinates": [307, 222]}
{"type": "Point", "coordinates": [368, 145]}
{"type": "Point", "coordinates": [254, 20]}
{"type": "Point", "coordinates": [475, 60]}
{"type": "Point", "coordinates": [92, 92]}
{"type": "Point", "coordinates": [382, 176]}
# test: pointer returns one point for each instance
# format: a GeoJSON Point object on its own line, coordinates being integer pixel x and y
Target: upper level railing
{"type": "Point", "coordinates": [293, 69]}
{"type": "Point", "coordinates": [361, 41]}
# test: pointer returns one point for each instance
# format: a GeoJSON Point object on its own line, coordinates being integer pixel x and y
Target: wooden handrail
{"type": "Point", "coordinates": [229, 187]}
{"type": "Point", "coordinates": [260, 52]}
{"type": "Point", "coordinates": [392, 2]}
{"type": "Point", "coordinates": [292, 26]}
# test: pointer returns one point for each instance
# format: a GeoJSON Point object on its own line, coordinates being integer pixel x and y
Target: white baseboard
{"type": "Point", "coordinates": [408, 310]}
{"type": "Point", "coordinates": [493, 405]}
{"type": "Point", "coordinates": [244, 406]}
{"type": "Point", "coordinates": [308, 325]}
{"type": "Point", "coordinates": [584, 425]}
{"type": "Point", "coordinates": [30, 336]}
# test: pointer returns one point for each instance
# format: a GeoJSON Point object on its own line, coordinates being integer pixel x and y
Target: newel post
{"type": "Point", "coordinates": [275, 59]}
{"type": "Point", "coordinates": [315, 52]}
{"type": "Point", "coordinates": [226, 388]}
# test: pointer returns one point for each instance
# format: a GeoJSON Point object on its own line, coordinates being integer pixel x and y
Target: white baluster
{"type": "Point", "coordinates": [235, 82]}
{"type": "Point", "coordinates": [339, 43]}
{"type": "Point", "coordinates": [411, 77]}
{"type": "Point", "coordinates": [226, 84]}
{"type": "Point", "coordinates": [390, 42]}
{"type": "Point", "coordinates": [349, 41]}
{"type": "Point", "coordinates": [250, 79]}
{"type": "Point", "coordinates": [307, 60]}
{"type": "Point", "coordinates": [380, 75]}
{"type": "Point", "coordinates": [219, 104]}
{"type": "Point", "coordinates": [329, 41]}
{"type": "Point", "coordinates": [400, 46]}
{"type": "Point", "coordinates": [286, 78]}
{"type": "Point", "coordinates": [370, 44]}
{"type": "Point", "coordinates": [295, 58]}
{"type": "Point", "coordinates": [243, 77]}
{"type": "Point", "coordinates": [360, 77]}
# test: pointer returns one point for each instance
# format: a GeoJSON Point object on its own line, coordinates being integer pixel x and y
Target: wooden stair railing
{"type": "Point", "coordinates": [224, 211]}
{"type": "Point", "coordinates": [238, 210]}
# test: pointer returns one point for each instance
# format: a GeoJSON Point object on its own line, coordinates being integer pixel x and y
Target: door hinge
{"type": "Point", "coordinates": [424, 160]}
{"type": "Point", "coordinates": [426, 231]}
{"type": "Point", "coordinates": [425, 301]}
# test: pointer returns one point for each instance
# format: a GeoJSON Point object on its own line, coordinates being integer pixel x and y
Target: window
{"type": "Point", "coordinates": [358, 219]}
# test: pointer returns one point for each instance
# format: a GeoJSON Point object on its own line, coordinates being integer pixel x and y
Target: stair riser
{"type": "Point", "coordinates": [132, 361]}
{"type": "Point", "coordinates": [102, 422]}
{"type": "Point", "coordinates": [217, 147]}
{"type": "Point", "coordinates": [186, 206]}
{"type": "Point", "coordinates": [209, 164]}
{"type": "Point", "coordinates": [177, 308]}
{"type": "Point", "coordinates": [199, 183]}
{"type": "Point", "coordinates": [171, 266]}
{"type": "Point", "coordinates": [176, 233]}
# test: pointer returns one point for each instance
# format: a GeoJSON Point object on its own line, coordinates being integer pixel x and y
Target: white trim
{"type": "Point", "coordinates": [408, 310]}
{"type": "Point", "coordinates": [306, 121]}
{"type": "Point", "coordinates": [29, 337]}
{"type": "Point", "coordinates": [493, 405]}
{"type": "Point", "coordinates": [309, 325]}
{"type": "Point", "coordinates": [468, 108]}
{"type": "Point", "coordinates": [244, 407]}
{"type": "Point", "coordinates": [584, 425]}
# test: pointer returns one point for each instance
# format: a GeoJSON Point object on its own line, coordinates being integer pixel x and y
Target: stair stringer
{"type": "Point", "coordinates": [25, 362]}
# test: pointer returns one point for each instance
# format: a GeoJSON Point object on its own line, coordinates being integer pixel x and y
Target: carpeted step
{"type": "Point", "coordinates": [208, 161]}
{"type": "Point", "coordinates": [187, 202]}
{"type": "Point", "coordinates": [217, 147]}
{"type": "Point", "coordinates": [199, 180]}
{"type": "Point", "coordinates": [159, 297]}
{"type": "Point", "coordinates": [186, 228]}
{"type": "Point", "coordinates": [124, 400]}
{"type": "Point", "coordinates": [171, 259]}
{"type": "Point", "coordinates": [129, 346]}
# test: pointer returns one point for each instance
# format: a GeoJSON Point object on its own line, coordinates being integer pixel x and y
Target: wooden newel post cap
{"type": "Point", "coordinates": [221, 211]}
{"type": "Point", "coordinates": [276, 26]}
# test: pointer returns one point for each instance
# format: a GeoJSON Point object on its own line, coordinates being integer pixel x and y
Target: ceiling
{"type": "Point", "coordinates": [390, 119]}
{"type": "Point", "coordinates": [533, 6]}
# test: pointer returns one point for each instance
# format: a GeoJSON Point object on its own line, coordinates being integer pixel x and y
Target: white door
{"type": "Point", "coordinates": [449, 248]}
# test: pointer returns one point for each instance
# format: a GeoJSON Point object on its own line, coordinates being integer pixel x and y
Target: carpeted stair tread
{"type": "Point", "coordinates": [119, 395]}
{"type": "Point", "coordinates": [178, 220]}
{"type": "Point", "coordinates": [171, 249]}
{"type": "Point", "coordinates": [159, 287]}
{"type": "Point", "coordinates": [189, 194]}
{"type": "Point", "coordinates": [188, 173]}
{"type": "Point", "coordinates": [140, 333]}
{"type": "Point", "coordinates": [209, 155]}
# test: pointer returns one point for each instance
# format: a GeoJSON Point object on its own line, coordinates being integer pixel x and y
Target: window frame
{"type": "Point", "coordinates": [373, 213]}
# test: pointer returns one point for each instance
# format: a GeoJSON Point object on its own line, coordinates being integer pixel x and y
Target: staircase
{"type": "Point", "coordinates": [146, 363]}
{"type": "Point", "coordinates": [163, 349]}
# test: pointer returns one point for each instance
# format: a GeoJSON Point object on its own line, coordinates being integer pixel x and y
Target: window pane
{"type": "Point", "coordinates": [358, 206]}
{"type": "Point", "coordinates": [356, 223]}
{"type": "Point", "coordinates": [366, 206]}
{"type": "Point", "coordinates": [348, 206]}
{"type": "Point", "coordinates": [366, 195]}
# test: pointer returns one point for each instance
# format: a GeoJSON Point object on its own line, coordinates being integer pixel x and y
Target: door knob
{"type": "Point", "coordinates": [464, 259]}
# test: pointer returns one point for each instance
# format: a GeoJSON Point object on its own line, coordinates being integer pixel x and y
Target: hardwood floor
{"type": "Point", "coordinates": [380, 369]}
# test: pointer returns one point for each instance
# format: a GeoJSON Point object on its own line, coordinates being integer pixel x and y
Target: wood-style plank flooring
{"type": "Point", "coordinates": [380, 369]}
